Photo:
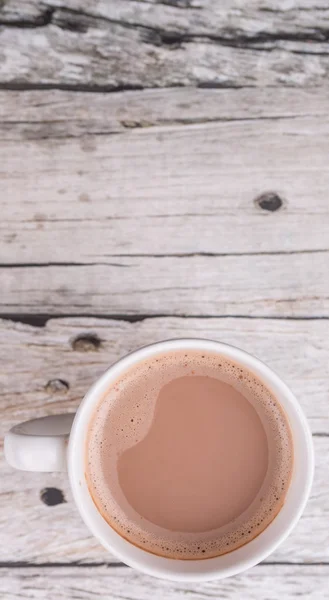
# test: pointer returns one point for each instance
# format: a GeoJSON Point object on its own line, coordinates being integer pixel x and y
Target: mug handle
{"type": "Point", "coordinates": [40, 444]}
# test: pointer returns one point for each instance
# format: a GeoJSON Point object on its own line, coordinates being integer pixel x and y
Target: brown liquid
{"type": "Point", "coordinates": [189, 456]}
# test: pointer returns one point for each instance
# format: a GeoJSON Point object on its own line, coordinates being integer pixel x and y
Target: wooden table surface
{"type": "Point", "coordinates": [164, 173]}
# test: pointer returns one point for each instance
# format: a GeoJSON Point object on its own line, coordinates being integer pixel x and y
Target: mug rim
{"type": "Point", "coordinates": [224, 565]}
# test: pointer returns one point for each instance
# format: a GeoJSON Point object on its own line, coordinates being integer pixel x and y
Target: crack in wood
{"type": "Point", "coordinates": [25, 86]}
{"type": "Point", "coordinates": [219, 254]}
{"type": "Point", "coordinates": [162, 255]}
{"type": "Point", "coordinates": [120, 565]}
{"type": "Point", "coordinates": [159, 255]}
{"type": "Point", "coordinates": [60, 264]}
{"type": "Point", "coordinates": [22, 564]}
{"type": "Point", "coordinates": [47, 131]}
{"type": "Point", "coordinates": [41, 319]}
{"type": "Point", "coordinates": [79, 21]}
{"type": "Point", "coordinates": [182, 4]}
{"type": "Point", "coordinates": [41, 20]}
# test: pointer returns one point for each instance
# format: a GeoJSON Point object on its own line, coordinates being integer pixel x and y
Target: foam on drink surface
{"type": "Point", "coordinates": [123, 420]}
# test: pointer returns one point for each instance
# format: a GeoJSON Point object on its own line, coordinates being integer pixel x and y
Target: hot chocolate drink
{"type": "Point", "coordinates": [189, 455]}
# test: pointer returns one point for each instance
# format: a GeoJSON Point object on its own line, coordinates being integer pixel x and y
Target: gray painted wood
{"type": "Point", "coordinates": [268, 286]}
{"type": "Point", "coordinates": [119, 213]}
{"type": "Point", "coordinates": [141, 203]}
{"type": "Point", "coordinates": [96, 176]}
{"type": "Point", "coordinates": [27, 115]}
{"type": "Point", "coordinates": [153, 44]}
{"type": "Point", "coordinates": [47, 371]}
{"type": "Point", "coordinates": [265, 581]}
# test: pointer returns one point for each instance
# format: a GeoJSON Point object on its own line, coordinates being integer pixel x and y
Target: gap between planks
{"type": "Point", "coordinates": [94, 565]}
{"type": "Point", "coordinates": [41, 319]}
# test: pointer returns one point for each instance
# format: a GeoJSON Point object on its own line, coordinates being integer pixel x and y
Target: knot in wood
{"type": "Point", "coordinates": [269, 201]}
{"type": "Point", "coordinates": [52, 496]}
{"type": "Point", "coordinates": [57, 386]}
{"type": "Point", "coordinates": [87, 342]}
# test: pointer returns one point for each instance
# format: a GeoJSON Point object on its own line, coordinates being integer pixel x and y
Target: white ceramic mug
{"type": "Point", "coordinates": [58, 443]}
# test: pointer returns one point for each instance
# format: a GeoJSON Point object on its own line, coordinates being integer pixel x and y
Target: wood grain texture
{"type": "Point", "coordinates": [33, 356]}
{"type": "Point", "coordinates": [144, 202]}
{"type": "Point", "coordinates": [145, 172]}
{"type": "Point", "coordinates": [263, 582]}
{"type": "Point", "coordinates": [36, 359]}
{"type": "Point", "coordinates": [259, 285]}
{"type": "Point", "coordinates": [151, 44]}
{"type": "Point", "coordinates": [46, 113]}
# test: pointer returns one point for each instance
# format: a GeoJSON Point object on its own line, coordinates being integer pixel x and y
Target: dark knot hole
{"type": "Point", "coordinates": [269, 201]}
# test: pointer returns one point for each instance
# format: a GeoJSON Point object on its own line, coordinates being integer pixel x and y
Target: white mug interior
{"type": "Point", "coordinates": [237, 560]}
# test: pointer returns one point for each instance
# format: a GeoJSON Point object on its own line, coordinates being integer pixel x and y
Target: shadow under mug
{"type": "Point", "coordinates": [58, 443]}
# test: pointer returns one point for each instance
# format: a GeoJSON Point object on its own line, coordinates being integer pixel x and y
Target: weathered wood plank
{"type": "Point", "coordinates": [87, 196]}
{"type": "Point", "coordinates": [262, 582]}
{"type": "Point", "coordinates": [222, 43]}
{"type": "Point", "coordinates": [204, 16]}
{"type": "Point", "coordinates": [75, 193]}
{"type": "Point", "coordinates": [33, 356]}
{"type": "Point", "coordinates": [42, 374]}
{"type": "Point", "coordinates": [53, 113]}
{"type": "Point", "coordinates": [295, 285]}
